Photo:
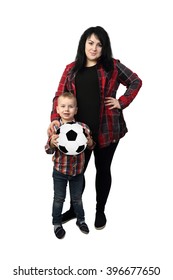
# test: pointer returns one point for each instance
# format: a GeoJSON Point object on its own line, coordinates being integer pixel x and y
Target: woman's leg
{"type": "Point", "coordinates": [103, 160]}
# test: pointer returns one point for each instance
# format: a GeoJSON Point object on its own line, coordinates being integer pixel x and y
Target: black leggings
{"type": "Point", "coordinates": [103, 159]}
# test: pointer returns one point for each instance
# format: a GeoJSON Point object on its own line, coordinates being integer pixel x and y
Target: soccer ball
{"type": "Point", "coordinates": [72, 138]}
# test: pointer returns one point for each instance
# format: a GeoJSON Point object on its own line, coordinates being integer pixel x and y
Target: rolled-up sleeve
{"type": "Point", "coordinates": [132, 82]}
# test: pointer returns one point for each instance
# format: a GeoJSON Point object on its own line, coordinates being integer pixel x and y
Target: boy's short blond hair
{"type": "Point", "coordinates": [68, 94]}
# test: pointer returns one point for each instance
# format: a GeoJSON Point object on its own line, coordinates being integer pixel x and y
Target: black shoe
{"type": "Point", "coordinates": [68, 215]}
{"type": "Point", "coordinates": [100, 220]}
{"type": "Point", "coordinates": [59, 232]}
{"type": "Point", "coordinates": [83, 227]}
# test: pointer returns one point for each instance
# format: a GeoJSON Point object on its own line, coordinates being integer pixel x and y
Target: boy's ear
{"type": "Point", "coordinates": [76, 110]}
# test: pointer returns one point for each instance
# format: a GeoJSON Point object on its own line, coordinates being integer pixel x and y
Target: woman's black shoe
{"type": "Point", "coordinates": [100, 220]}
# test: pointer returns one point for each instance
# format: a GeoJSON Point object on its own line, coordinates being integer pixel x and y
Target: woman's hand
{"type": "Point", "coordinates": [112, 103]}
{"type": "Point", "coordinates": [51, 128]}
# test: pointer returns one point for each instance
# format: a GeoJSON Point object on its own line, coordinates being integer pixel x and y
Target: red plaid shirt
{"type": "Point", "coordinates": [68, 164]}
{"type": "Point", "coordinates": [112, 124]}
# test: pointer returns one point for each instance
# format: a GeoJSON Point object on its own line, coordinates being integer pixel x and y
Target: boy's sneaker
{"type": "Point", "coordinates": [59, 232]}
{"type": "Point", "coordinates": [83, 227]}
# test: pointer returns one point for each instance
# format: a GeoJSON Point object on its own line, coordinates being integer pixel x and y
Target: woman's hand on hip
{"type": "Point", "coordinates": [112, 103]}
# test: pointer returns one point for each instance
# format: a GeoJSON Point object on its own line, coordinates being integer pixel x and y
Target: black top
{"type": "Point", "coordinates": [88, 98]}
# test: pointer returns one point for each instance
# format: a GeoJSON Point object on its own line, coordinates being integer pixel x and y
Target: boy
{"type": "Point", "coordinates": [67, 169]}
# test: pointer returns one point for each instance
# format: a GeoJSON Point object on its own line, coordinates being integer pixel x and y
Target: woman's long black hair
{"type": "Point", "coordinates": [106, 56]}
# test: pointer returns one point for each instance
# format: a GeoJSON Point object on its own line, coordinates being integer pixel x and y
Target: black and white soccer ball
{"type": "Point", "coordinates": [72, 139]}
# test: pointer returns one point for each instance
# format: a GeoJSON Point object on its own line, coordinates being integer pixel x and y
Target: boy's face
{"type": "Point", "coordinates": [66, 108]}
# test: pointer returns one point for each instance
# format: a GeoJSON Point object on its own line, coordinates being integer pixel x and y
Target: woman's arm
{"type": "Point", "coordinates": [52, 127]}
{"type": "Point", "coordinates": [132, 82]}
{"type": "Point", "coordinates": [62, 87]}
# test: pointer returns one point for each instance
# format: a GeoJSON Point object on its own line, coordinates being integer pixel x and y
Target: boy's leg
{"type": "Point", "coordinates": [76, 190]}
{"type": "Point", "coordinates": [60, 183]}
{"type": "Point", "coordinates": [70, 214]}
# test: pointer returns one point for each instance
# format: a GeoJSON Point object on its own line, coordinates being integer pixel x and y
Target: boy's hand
{"type": "Point", "coordinates": [53, 141]}
{"type": "Point", "coordinates": [90, 141]}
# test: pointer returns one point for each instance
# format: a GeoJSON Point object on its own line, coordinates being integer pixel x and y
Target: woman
{"type": "Point", "coordinates": [94, 78]}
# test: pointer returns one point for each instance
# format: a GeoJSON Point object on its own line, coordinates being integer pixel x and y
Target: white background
{"type": "Point", "coordinates": [38, 38]}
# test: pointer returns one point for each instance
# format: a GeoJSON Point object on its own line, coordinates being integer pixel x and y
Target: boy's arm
{"type": "Point", "coordinates": [90, 143]}
{"type": "Point", "coordinates": [49, 148]}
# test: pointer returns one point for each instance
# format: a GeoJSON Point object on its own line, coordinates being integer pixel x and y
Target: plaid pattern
{"type": "Point", "coordinates": [112, 123]}
{"type": "Point", "coordinates": [67, 164]}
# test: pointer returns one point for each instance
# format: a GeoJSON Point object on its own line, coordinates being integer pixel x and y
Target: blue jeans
{"type": "Point", "coordinates": [76, 187]}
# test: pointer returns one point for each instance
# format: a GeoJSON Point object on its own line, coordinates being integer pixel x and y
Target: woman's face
{"type": "Point", "coordinates": [93, 50]}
